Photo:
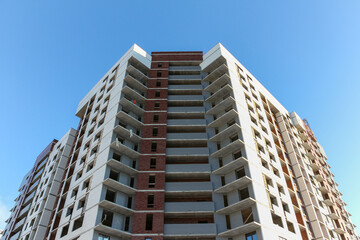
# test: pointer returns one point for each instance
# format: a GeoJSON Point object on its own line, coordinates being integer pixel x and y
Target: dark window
{"type": "Point", "coordinates": [243, 193]}
{"type": "Point", "coordinates": [69, 211]}
{"type": "Point", "coordinates": [86, 184]}
{"type": "Point", "coordinates": [110, 195]}
{"type": "Point", "coordinates": [153, 147]}
{"type": "Point", "coordinates": [107, 218]}
{"type": "Point", "coordinates": [156, 118]}
{"type": "Point", "coordinates": [157, 94]}
{"type": "Point", "coordinates": [155, 131]}
{"type": "Point", "coordinates": [127, 223]}
{"type": "Point", "coordinates": [149, 222]}
{"type": "Point", "coordinates": [226, 203]}
{"type": "Point", "coordinates": [159, 64]}
{"type": "Point", "coordinates": [132, 182]}
{"type": "Point", "coordinates": [78, 223]}
{"type": "Point", "coordinates": [81, 203]}
{"type": "Point", "coordinates": [240, 173]}
{"type": "Point", "coordinates": [158, 83]}
{"type": "Point", "coordinates": [150, 201]}
{"type": "Point", "coordinates": [228, 222]}
{"type": "Point", "coordinates": [64, 231]}
{"type": "Point", "coordinates": [156, 105]}
{"type": "Point", "coordinates": [159, 73]}
{"type": "Point", "coordinates": [151, 181]}
{"type": "Point", "coordinates": [129, 202]}
{"type": "Point", "coordinates": [114, 175]}
{"type": "Point", "coordinates": [152, 162]}
{"type": "Point", "coordinates": [116, 157]}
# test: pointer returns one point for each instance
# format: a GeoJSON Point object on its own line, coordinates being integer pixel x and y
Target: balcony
{"type": "Point", "coordinates": [238, 206]}
{"type": "Point", "coordinates": [188, 169]}
{"type": "Point", "coordinates": [228, 149]}
{"type": "Point", "coordinates": [239, 162]}
{"type": "Point", "coordinates": [185, 122]}
{"type": "Point", "coordinates": [237, 184]}
{"type": "Point", "coordinates": [310, 155]}
{"type": "Point", "coordinates": [136, 74]}
{"type": "Point", "coordinates": [28, 198]}
{"type": "Point", "coordinates": [191, 152]}
{"type": "Point", "coordinates": [184, 70]}
{"type": "Point", "coordinates": [186, 98]}
{"type": "Point", "coordinates": [191, 112]}
{"type": "Point", "coordinates": [186, 137]}
{"type": "Point", "coordinates": [113, 207]}
{"type": "Point", "coordinates": [134, 94]}
{"type": "Point", "coordinates": [307, 145]}
{"type": "Point", "coordinates": [19, 224]}
{"type": "Point", "coordinates": [24, 210]}
{"type": "Point", "coordinates": [189, 231]}
{"type": "Point", "coordinates": [131, 106]}
{"type": "Point", "coordinates": [188, 188]}
{"type": "Point", "coordinates": [328, 202]}
{"type": "Point", "coordinates": [228, 116]}
{"type": "Point", "coordinates": [216, 73]}
{"type": "Point", "coordinates": [189, 208]}
{"type": "Point", "coordinates": [121, 167]}
{"type": "Point", "coordinates": [235, 128]}
{"type": "Point", "coordinates": [323, 189]}
{"type": "Point", "coordinates": [314, 166]}
{"type": "Point", "coordinates": [333, 216]}
{"type": "Point", "coordinates": [249, 227]}
{"type": "Point", "coordinates": [186, 89]}
{"type": "Point", "coordinates": [215, 85]}
{"type": "Point", "coordinates": [220, 94]}
{"type": "Point", "coordinates": [112, 231]}
{"type": "Point", "coordinates": [319, 177]}
{"type": "Point", "coordinates": [129, 119]}
{"type": "Point", "coordinates": [127, 134]}
{"type": "Point", "coordinates": [339, 230]}
{"type": "Point", "coordinates": [119, 186]}
{"type": "Point", "coordinates": [124, 149]}
{"type": "Point", "coordinates": [218, 108]}
{"type": "Point", "coordinates": [134, 83]}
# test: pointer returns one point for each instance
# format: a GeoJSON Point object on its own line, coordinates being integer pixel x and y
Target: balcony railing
{"type": "Point", "coordinates": [238, 206]}
{"type": "Point", "coordinates": [134, 94]}
{"type": "Point", "coordinates": [246, 228]}
{"type": "Point", "coordinates": [215, 85]}
{"type": "Point", "coordinates": [121, 167]}
{"type": "Point", "coordinates": [189, 208]}
{"type": "Point", "coordinates": [113, 207]}
{"type": "Point", "coordinates": [123, 116]}
{"type": "Point", "coordinates": [227, 102]}
{"type": "Point", "coordinates": [190, 230]}
{"type": "Point", "coordinates": [127, 134]}
{"type": "Point", "coordinates": [112, 231]}
{"type": "Point", "coordinates": [220, 94]}
{"type": "Point", "coordinates": [237, 184]}
{"type": "Point", "coordinates": [133, 82]}
{"type": "Point", "coordinates": [230, 115]}
{"type": "Point", "coordinates": [132, 106]}
{"type": "Point", "coordinates": [188, 169]}
{"type": "Point", "coordinates": [188, 187]}
{"type": "Point", "coordinates": [124, 149]}
{"type": "Point", "coordinates": [235, 164]}
{"type": "Point", "coordinates": [235, 128]}
{"type": "Point", "coordinates": [136, 73]}
{"type": "Point", "coordinates": [228, 149]}
{"type": "Point", "coordinates": [119, 186]}
{"type": "Point", "coordinates": [216, 73]}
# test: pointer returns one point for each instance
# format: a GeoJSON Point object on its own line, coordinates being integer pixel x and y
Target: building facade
{"type": "Point", "coordinates": [181, 145]}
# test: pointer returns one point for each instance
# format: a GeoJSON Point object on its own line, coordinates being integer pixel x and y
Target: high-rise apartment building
{"type": "Point", "coordinates": [181, 145]}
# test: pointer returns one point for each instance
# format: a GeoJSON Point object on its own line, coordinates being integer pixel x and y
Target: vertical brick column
{"type": "Point", "coordinates": [150, 196]}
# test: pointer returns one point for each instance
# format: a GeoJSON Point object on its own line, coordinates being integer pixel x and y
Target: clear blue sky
{"type": "Point", "coordinates": [307, 53]}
